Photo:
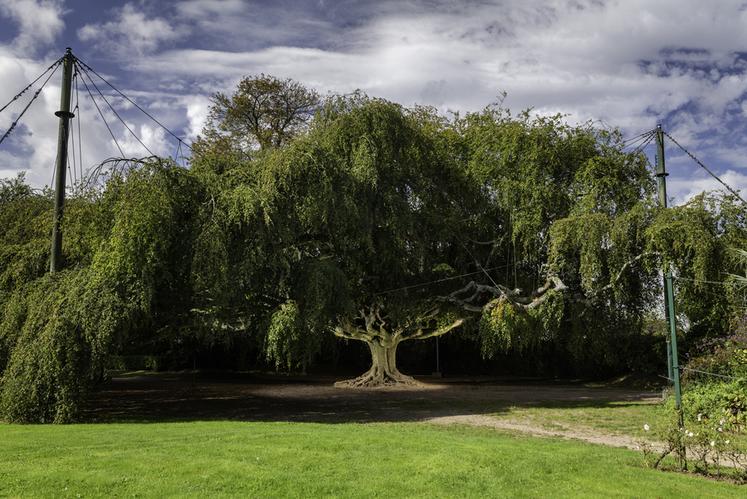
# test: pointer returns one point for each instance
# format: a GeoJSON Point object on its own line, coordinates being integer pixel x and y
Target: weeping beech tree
{"type": "Point", "coordinates": [554, 224]}
{"type": "Point", "coordinates": [361, 204]}
{"type": "Point", "coordinates": [373, 223]}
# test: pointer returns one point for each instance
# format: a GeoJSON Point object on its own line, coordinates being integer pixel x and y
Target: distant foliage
{"type": "Point", "coordinates": [286, 336]}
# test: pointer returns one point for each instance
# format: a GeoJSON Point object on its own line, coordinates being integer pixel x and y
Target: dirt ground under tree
{"type": "Point", "coordinates": [247, 397]}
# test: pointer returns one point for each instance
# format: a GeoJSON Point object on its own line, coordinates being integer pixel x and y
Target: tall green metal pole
{"type": "Point", "coordinates": [674, 368]}
{"type": "Point", "coordinates": [62, 137]}
{"type": "Point", "coordinates": [661, 175]}
{"type": "Point", "coordinates": [673, 342]}
{"type": "Point", "coordinates": [669, 345]}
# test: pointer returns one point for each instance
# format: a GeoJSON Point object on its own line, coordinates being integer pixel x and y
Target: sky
{"type": "Point", "coordinates": [624, 64]}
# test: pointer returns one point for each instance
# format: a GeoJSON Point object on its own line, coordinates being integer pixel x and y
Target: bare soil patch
{"type": "Point", "coordinates": [189, 397]}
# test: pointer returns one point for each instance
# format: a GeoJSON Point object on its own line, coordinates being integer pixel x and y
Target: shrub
{"type": "Point", "coordinates": [712, 432]}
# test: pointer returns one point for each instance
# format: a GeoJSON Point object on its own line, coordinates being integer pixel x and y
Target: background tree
{"type": "Point", "coordinates": [264, 112]}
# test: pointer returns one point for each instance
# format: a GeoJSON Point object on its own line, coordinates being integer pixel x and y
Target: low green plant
{"type": "Point", "coordinates": [708, 433]}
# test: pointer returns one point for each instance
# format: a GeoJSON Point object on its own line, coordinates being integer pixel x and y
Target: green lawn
{"type": "Point", "coordinates": [619, 418]}
{"type": "Point", "coordinates": [310, 460]}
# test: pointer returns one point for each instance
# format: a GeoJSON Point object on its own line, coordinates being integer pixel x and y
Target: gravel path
{"type": "Point", "coordinates": [585, 434]}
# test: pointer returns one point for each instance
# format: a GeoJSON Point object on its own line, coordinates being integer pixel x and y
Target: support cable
{"type": "Point", "coordinates": [700, 163]}
{"type": "Point", "coordinates": [74, 171]}
{"type": "Point", "coordinates": [102, 117]}
{"type": "Point", "coordinates": [635, 142]}
{"type": "Point", "coordinates": [71, 170]}
{"type": "Point", "coordinates": [19, 94]}
{"type": "Point", "coordinates": [631, 140]}
{"type": "Point", "coordinates": [116, 113]}
{"type": "Point", "coordinates": [181, 141]}
{"type": "Point", "coordinates": [179, 154]}
{"type": "Point", "coordinates": [483, 268]}
{"type": "Point", "coordinates": [444, 279]}
{"type": "Point", "coordinates": [644, 144]}
{"type": "Point", "coordinates": [54, 172]}
{"type": "Point", "coordinates": [36, 94]}
{"type": "Point", "coordinates": [724, 376]}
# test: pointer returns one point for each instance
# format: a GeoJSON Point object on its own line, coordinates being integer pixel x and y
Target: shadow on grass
{"type": "Point", "coordinates": [243, 397]}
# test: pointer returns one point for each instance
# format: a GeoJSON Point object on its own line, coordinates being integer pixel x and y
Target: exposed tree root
{"type": "Point", "coordinates": [370, 379]}
{"type": "Point", "coordinates": [383, 371]}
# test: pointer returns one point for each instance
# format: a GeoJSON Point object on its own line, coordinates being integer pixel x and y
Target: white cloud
{"type": "Point", "coordinates": [627, 63]}
{"type": "Point", "coordinates": [28, 147]}
{"type": "Point", "coordinates": [39, 22]}
{"type": "Point", "coordinates": [197, 111]}
{"type": "Point", "coordinates": [153, 141]}
{"type": "Point", "coordinates": [130, 31]}
{"type": "Point", "coordinates": [546, 55]}
{"type": "Point", "coordinates": [682, 190]}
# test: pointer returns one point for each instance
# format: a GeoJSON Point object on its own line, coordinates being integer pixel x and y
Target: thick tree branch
{"type": "Point", "coordinates": [348, 330]}
{"type": "Point", "coordinates": [475, 297]}
{"type": "Point", "coordinates": [475, 301]}
{"type": "Point", "coordinates": [421, 334]}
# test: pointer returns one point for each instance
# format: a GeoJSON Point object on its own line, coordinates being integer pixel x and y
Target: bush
{"type": "Point", "coordinates": [723, 356]}
{"type": "Point", "coordinates": [713, 430]}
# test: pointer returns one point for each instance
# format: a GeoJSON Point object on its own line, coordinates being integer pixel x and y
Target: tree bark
{"type": "Point", "coordinates": [383, 371]}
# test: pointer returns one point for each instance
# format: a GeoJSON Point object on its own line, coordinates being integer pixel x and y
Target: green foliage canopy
{"type": "Point", "coordinates": [373, 220]}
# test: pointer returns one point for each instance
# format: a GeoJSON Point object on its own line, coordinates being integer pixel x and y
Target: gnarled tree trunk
{"type": "Point", "coordinates": [383, 345]}
{"type": "Point", "coordinates": [383, 369]}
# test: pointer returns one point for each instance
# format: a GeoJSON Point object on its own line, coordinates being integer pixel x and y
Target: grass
{"type": "Point", "coordinates": [618, 418]}
{"type": "Point", "coordinates": [312, 460]}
